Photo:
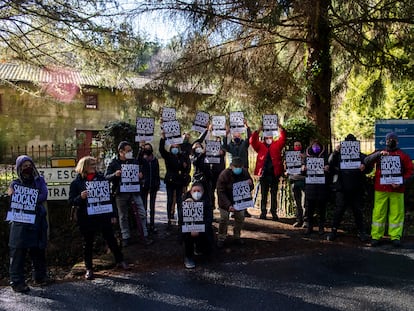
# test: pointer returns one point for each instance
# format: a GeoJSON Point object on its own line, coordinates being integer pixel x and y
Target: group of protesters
{"type": "Point", "coordinates": [196, 185]}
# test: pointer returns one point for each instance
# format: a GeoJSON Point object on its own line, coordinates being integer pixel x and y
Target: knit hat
{"type": "Point", "coordinates": [350, 137]}
{"type": "Point", "coordinates": [391, 135]}
{"type": "Point", "coordinates": [237, 161]}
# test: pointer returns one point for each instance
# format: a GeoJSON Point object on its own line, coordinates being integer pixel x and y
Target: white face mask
{"type": "Point", "coordinates": [269, 141]}
{"type": "Point", "coordinates": [129, 155]}
{"type": "Point", "coordinates": [197, 195]}
{"type": "Point", "coordinates": [198, 150]}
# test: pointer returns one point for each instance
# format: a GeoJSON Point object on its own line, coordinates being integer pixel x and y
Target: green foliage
{"type": "Point", "coordinates": [115, 132]}
{"type": "Point", "coordinates": [300, 129]}
{"type": "Point", "coordinates": [371, 96]}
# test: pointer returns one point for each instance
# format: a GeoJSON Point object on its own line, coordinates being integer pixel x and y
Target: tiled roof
{"type": "Point", "coordinates": [23, 72]}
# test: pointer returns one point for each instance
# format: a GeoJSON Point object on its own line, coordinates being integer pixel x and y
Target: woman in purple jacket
{"type": "Point", "coordinates": [28, 228]}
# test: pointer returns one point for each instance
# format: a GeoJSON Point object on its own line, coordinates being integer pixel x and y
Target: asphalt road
{"type": "Point", "coordinates": [337, 279]}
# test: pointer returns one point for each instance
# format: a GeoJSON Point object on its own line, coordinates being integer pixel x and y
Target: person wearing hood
{"type": "Point", "coordinates": [28, 237]}
{"type": "Point", "coordinates": [316, 190]}
{"type": "Point", "coordinates": [349, 185]}
{"type": "Point", "coordinates": [269, 167]}
{"type": "Point", "coordinates": [389, 196]}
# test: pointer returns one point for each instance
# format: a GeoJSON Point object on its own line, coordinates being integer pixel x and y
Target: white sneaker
{"type": "Point", "coordinates": [189, 263]}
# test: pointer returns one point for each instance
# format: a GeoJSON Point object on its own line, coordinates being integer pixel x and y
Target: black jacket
{"type": "Point", "coordinates": [115, 165]}
{"type": "Point", "coordinates": [151, 171]}
{"type": "Point", "coordinates": [178, 167]}
{"type": "Point", "coordinates": [83, 219]}
{"type": "Point", "coordinates": [346, 180]}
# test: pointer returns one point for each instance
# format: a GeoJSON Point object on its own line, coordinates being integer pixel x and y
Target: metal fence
{"type": "Point", "coordinates": [42, 157]}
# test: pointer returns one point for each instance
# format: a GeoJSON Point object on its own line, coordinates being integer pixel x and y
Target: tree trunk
{"type": "Point", "coordinates": [319, 69]}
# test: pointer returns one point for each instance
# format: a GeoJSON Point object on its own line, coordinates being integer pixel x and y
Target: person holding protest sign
{"type": "Point", "coordinates": [90, 196]}
{"type": "Point", "coordinates": [269, 166]}
{"type": "Point", "coordinates": [393, 168]}
{"type": "Point", "coordinates": [124, 174]}
{"type": "Point", "coordinates": [217, 163]}
{"type": "Point", "coordinates": [150, 183]}
{"type": "Point", "coordinates": [202, 172]}
{"type": "Point", "coordinates": [238, 147]}
{"type": "Point", "coordinates": [186, 146]}
{"type": "Point", "coordinates": [346, 164]}
{"type": "Point", "coordinates": [234, 187]}
{"type": "Point", "coordinates": [197, 224]}
{"type": "Point", "coordinates": [28, 225]}
{"type": "Point", "coordinates": [176, 178]}
{"type": "Point", "coordinates": [316, 167]}
{"type": "Point", "coordinates": [293, 162]}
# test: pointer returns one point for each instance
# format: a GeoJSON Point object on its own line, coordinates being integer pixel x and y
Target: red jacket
{"type": "Point", "coordinates": [407, 169]}
{"type": "Point", "coordinates": [275, 150]}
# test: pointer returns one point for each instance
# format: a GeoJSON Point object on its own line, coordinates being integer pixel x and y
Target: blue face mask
{"type": "Point", "coordinates": [174, 150]}
{"type": "Point", "coordinates": [237, 170]}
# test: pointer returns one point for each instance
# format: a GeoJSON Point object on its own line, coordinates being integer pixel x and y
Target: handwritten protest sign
{"type": "Point", "coordinates": [391, 172]}
{"type": "Point", "coordinates": [172, 132]}
{"type": "Point", "coordinates": [270, 125]}
{"type": "Point", "coordinates": [193, 217]}
{"type": "Point", "coordinates": [350, 155]}
{"type": "Point", "coordinates": [145, 129]}
{"type": "Point", "coordinates": [129, 178]}
{"type": "Point", "coordinates": [212, 152]}
{"type": "Point", "coordinates": [99, 197]}
{"type": "Point", "coordinates": [237, 122]}
{"type": "Point", "coordinates": [201, 121]}
{"type": "Point", "coordinates": [219, 125]}
{"type": "Point", "coordinates": [168, 114]}
{"type": "Point", "coordinates": [315, 171]}
{"type": "Point", "coordinates": [242, 195]}
{"type": "Point", "coordinates": [23, 204]}
{"type": "Point", "coordinates": [293, 162]}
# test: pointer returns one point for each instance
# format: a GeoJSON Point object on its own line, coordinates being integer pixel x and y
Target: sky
{"type": "Point", "coordinates": [157, 27]}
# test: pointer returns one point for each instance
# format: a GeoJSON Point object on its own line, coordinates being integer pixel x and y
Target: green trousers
{"type": "Point", "coordinates": [393, 203]}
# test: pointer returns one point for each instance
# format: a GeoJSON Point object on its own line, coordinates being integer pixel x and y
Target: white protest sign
{"type": "Point", "coordinates": [129, 178]}
{"type": "Point", "coordinates": [350, 155]}
{"type": "Point", "coordinates": [219, 125]}
{"type": "Point", "coordinates": [391, 172]}
{"type": "Point", "coordinates": [237, 122]}
{"type": "Point", "coordinates": [315, 171]}
{"type": "Point", "coordinates": [172, 132]}
{"type": "Point", "coordinates": [201, 120]}
{"type": "Point", "coordinates": [293, 162]}
{"type": "Point", "coordinates": [212, 152]}
{"type": "Point", "coordinates": [168, 114]}
{"type": "Point", "coordinates": [145, 129]}
{"type": "Point", "coordinates": [99, 197]}
{"type": "Point", "coordinates": [270, 125]}
{"type": "Point", "coordinates": [23, 204]}
{"type": "Point", "coordinates": [242, 196]}
{"type": "Point", "coordinates": [193, 217]}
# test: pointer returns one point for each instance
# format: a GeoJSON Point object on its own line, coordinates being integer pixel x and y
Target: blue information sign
{"type": "Point", "coordinates": [403, 128]}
